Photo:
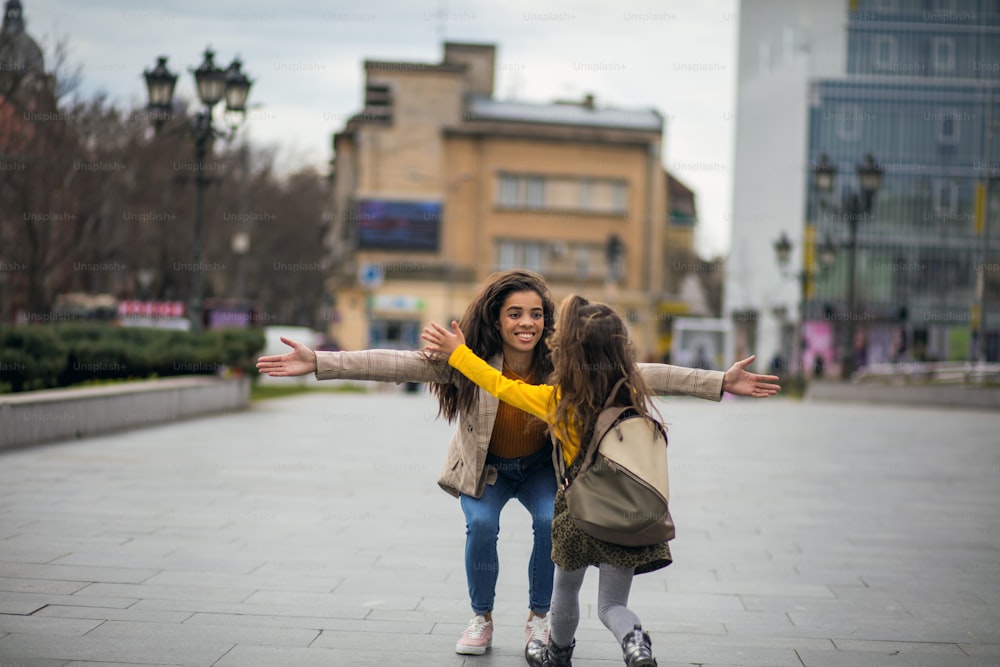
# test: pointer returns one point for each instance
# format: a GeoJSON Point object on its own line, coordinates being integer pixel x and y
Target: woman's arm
{"type": "Point", "coordinates": [666, 380]}
{"type": "Point", "coordinates": [377, 365]}
{"type": "Point", "coordinates": [669, 380]}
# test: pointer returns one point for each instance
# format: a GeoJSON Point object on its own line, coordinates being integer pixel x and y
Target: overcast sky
{"type": "Point", "coordinates": [306, 60]}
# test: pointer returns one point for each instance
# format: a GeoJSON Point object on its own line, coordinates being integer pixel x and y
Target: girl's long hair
{"type": "Point", "coordinates": [591, 351]}
{"type": "Point", "coordinates": [480, 325]}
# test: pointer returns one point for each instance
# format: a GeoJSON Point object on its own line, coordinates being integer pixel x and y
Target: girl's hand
{"type": "Point", "coordinates": [440, 341]}
{"type": "Point", "coordinates": [300, 361]}
{"type": "Point", "coordinates": [741, 382]}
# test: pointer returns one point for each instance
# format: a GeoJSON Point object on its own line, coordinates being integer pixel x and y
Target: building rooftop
{"type": "Point", "coordinates": [484, 108]}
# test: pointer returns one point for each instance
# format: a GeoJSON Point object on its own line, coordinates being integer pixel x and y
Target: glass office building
{"type": "Point", "coordinates": [918, 96]}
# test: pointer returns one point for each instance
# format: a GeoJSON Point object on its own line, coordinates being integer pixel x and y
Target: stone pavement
{"type": "Point", "coordinates": [310, 531]}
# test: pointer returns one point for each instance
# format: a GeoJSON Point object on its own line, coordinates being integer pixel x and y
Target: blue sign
{"type": "Point", "coordinates": [371, 275]}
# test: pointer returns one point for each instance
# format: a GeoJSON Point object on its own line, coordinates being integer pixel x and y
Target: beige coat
{"type": "Point", "coordinates": [465, 470]}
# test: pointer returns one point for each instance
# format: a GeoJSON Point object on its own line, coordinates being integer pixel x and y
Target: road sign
{"type": "Point", "coordinates": [371, 275]}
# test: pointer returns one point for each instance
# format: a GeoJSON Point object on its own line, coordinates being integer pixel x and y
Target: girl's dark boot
{"type": "Point", "coordinates": [558, 656]}
{"type": "Point", "coordinates": [637, 649]}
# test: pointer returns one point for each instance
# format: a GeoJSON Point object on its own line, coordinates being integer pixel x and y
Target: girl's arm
{"type": "Point", "coordinates": [532, 398]}
{"type": "Point", "coordinates": [378, 365]}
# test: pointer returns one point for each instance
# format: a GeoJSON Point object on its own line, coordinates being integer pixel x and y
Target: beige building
{"type": "Point", "coordinates": [437, 185]}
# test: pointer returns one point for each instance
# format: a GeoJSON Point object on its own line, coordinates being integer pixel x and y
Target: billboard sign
{"type": "Point", "coordinates": [398, 225]}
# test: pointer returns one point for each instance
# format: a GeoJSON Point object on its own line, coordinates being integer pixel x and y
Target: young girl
{"type": "Point", "coordinates": [590, 351]}
{"type": "Point", "coordinates": [495, 454]}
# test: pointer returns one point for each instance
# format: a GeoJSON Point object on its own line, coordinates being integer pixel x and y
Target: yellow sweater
{"type": "Point", "coordinates": [535, 399]}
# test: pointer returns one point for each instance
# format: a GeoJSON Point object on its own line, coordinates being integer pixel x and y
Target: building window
{"type": "Point", "coordinates": [522, 191]}
{"type": "Point", "coordinates": [506, 255]}
{"type": "Point", "coordinates": [378, 102]}
{"type": "Point", "coordinates": [508, 190]}
{"type": "Point", "coordinates": [945, 199]}
{"type": "Point", "coordinates": [943, 271]}
{"type": "Point", "coordinates": [565, 261]}
{"type": "Point", "coordinates": [849, 122]}
{"type": "Point", "coordinates": [536, 192]}
{"type": "Point", "coordinates": [618, 197]}
{"type": "Point", "coordinates": [949, 126]}
{"type": "Point", "coordinates": [885, 53]}
{"type": "Point", "coordinates": [570, 193]}
{"type": "Point", "coordinates": [520, 255]}
{"type": "Point", "coordinates": [943, 54]}
{"type": "Point", "coordinates": [533, 256]}
{"type": "Point", "coordinates": [586, 194]}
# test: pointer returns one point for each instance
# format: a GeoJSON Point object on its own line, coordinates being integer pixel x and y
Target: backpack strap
{"type": "Point", "coordinates": [614, 391]}
{"type": "Point", "coordinates": [558, 462]}
{"type": "Point", "coordinates": [606, 419]}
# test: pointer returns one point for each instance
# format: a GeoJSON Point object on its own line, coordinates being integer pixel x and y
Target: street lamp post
{"type": "Point", "coordinates": [214, 85]}
{"type": "Point", "coordinates": [805, 277]}
{"type": "Point", "coordinates": [858, 206]}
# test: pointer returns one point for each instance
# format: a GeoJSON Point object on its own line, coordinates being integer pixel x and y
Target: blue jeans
{"type": "Point", "coordinates": [532, 481]}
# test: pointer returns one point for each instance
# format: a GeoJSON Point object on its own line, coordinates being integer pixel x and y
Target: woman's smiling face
{"type": "Point", "coordinates": [522, 320]}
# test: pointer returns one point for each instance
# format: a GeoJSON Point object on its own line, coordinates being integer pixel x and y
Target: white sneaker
{"type": "Point", "coordinates": [537, 629]}
{"type": "Point", "coordinates": [477, 637]}
{"type": "Point", "coordinates": [536, 636]}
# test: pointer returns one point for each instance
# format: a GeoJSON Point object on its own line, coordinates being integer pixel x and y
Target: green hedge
{"type": "Point", "coordinates": [39, 357]}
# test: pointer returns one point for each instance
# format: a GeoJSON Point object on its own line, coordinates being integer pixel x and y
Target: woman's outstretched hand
{"type": "Point", "coordinates": [440, 341]}
{"type": "Point", "coordinates": [300, 361]}
{"type": "Point", "coordinates": [741, 382]}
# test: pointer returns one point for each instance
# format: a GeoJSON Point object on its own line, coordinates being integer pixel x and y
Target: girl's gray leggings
{"type": "Point", "coordinates": [612, 597]}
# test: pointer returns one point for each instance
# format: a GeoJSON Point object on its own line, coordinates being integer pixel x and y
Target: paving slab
{"type": "Point", "coordinates": [310, 531]}
{"type": "Point", "coordinates": [70, 627]}
{"type": "Point", "coordinates": [149, 650]}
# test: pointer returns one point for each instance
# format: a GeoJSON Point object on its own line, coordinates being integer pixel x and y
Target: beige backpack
{"type": "Point", "coordinates": [621, 493]}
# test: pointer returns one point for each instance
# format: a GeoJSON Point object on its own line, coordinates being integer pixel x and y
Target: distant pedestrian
{"type": "Point", "coordinates": [498, 452]}
{"type": "Point", "coordinates": [591, 351]}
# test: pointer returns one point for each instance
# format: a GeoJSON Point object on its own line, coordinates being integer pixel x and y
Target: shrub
{"type": "Point", "coordinates": [31, 358]}
{"type": "Point", "coordinates": [37, 357]}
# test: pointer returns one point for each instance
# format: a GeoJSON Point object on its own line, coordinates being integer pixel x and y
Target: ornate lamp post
{"type": "Point", "coordinates": [213, 86]}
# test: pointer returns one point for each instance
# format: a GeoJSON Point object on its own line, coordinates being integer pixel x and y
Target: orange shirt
{"type": "Point", "coordinates": [515, 432]}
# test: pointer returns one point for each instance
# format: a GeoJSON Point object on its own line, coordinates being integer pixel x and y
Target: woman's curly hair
{"type": "Point", "coordinates": [480, 325]}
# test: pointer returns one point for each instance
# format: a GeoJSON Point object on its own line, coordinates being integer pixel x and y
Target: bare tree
{"type": "Point", "coordinates": [95, 200]}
